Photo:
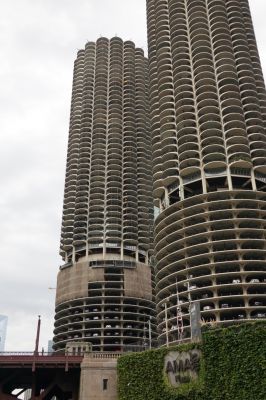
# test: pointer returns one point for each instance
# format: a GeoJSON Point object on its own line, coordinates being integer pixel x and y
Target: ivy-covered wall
{"type": "Point", "coordinates": [233, 367]}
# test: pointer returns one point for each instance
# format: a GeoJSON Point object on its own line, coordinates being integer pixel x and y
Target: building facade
{"type": "Point", "coordinates": [104, 289]}
{"type": "Point", "coordinates": [3, 329]}
{"type": "Point", "coordinates": [50, 346]}
{"type": "Point", "coordinates": [208, 110]}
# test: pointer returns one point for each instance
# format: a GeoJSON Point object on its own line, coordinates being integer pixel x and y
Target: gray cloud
{"type": "Point", "coordinates": [39, 40]}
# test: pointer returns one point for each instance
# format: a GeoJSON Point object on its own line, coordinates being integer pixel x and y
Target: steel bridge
{"type": "Point", "coordinates": [46, 374]}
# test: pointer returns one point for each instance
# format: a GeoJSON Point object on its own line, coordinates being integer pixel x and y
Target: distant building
{"type": "Point", "coordinates": [3, 328]}
{"type": "Point", "coordinates": [50, 346]}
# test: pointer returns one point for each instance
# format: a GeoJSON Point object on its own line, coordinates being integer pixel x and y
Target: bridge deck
{"type": "Point", "coordinates": [47, 360]}
{"type": "Point", "coordinates": [46, 374]}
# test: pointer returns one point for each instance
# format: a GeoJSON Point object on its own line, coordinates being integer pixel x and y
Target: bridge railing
{"type": "Point", "coordinates": [107, 355]}
{"type": "Point", "coordinates": [39, 356]}
{"type": "Point", "coordinates": [30, 353]}
{"type": "Point", "coordinates": [68, 354]}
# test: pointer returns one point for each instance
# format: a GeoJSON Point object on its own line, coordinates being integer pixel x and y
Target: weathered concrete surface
{"type": "Point", "coordinates": [98, 379]}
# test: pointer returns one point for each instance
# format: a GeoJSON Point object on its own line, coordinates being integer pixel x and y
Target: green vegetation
{"type": "Point", "coordinates": [233, 367]}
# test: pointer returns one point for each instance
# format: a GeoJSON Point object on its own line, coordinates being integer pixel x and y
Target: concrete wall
{"type": "Point", "coordinates": [95, 368]}
{"type": "Point", "coordinates": [137, 282]}
{"type": "Point", "coordinates": [72, 282]}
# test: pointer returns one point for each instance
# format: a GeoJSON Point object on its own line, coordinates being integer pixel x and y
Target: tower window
{"type": "Point", "coordinates": [105, 384]}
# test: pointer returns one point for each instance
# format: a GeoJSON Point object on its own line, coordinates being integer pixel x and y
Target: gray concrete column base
{"type": "Point", "coordinates": [98, 377]}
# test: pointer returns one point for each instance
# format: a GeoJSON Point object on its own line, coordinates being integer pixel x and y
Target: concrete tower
{"type": "Point", "coordinates": [104, 289]}
{"type": "Point", "coordinates": [209, 148]}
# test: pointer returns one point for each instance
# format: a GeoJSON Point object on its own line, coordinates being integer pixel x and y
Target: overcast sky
{"type": "Point", "coordinates": [38, 43]}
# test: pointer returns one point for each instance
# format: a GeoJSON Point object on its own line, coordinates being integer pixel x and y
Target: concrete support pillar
{"type": "Point", "coordinates": [98, 377]}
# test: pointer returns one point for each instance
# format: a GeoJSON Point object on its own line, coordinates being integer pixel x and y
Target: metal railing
{"type": "Point", "coordinates": [31, 353]}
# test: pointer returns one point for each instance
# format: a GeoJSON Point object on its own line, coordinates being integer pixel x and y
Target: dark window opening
{"type": "Point", "coordinates": [80, 253]}
{"type": "Point", "coordinates": [216, 184]}
{"type": "Point", "coordinates": [111, 250]}
{"type": "Point", "coordinates": [142, 258]}
{"type": "Point", "coordinates": [241, 183]}
{"type": "Point", "coordinates": [174, 197]}
{"type": "Point", "coordinates": [105, 384]}
{"type": "Point", "coordinates": [193, 189]}
{"type": "Point", "coordinates": [261, 185]}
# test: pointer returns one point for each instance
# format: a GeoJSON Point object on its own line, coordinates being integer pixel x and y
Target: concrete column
{"type": "Point", "coordinates": [98, 377]}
